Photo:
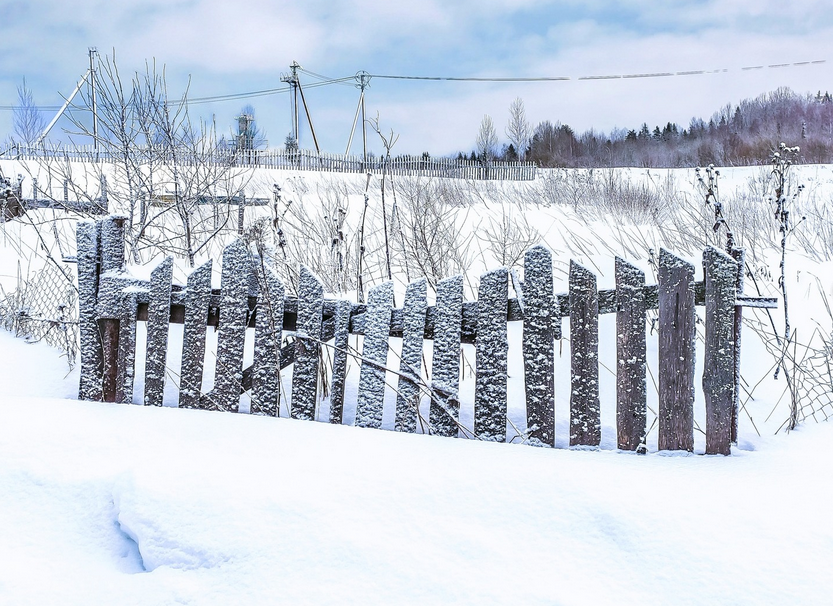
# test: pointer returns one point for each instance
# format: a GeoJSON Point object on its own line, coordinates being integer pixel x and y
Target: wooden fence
{"type": "Point", "coordinates": [301, 160]}
{"type": "Point", "coordinates": [252, 296]}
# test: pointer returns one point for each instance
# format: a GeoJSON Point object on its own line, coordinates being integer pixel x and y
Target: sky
{"type": "Point", "coordinates": [214, 48]}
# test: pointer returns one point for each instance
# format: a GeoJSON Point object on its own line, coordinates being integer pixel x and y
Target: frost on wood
{"type": "Point", "coordinates": [197, 300]}
{"type": "Point", "coordinates": [112, 243]}
{"type": "Point", "coordinates": [267, 355]}
{"type": "Point", "coordinates": [127, 346]}
{"type": "Point", "coordinates": [539, 346]}
{"type": "Point", "coordinates": [585, 421]}
{"type": "Point", "coordinates": [676, 353]}
{"type": "Point", "coordinates": [307, 346]}
{"type": "Point", "coordinates": [631, 403]}
{"type": "Point", "coordinates": [159, 315]}
{"type": "Point", "coordinates": [341, 334]}
{"type": "Point", "coordinates": [445, 362]}
{"type": "Point", "coordinates": [232, 336]}
{"type": "Point", "coordinates": [719, 361]}
{"type": "Point", "coordinates": [86, 236]}
{"type": "Point", "coordinates": [410, 363]}
{"type": "Point", "coordinates": [371, 398]}
{"type": "Point", "coordinates": [739, 255]}
{"type": "Point", "coordinates": [491, 357]}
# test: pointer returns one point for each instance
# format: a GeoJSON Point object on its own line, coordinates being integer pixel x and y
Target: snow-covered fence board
{"type": "Point", "coordinates": [251, 296]}
{"type": "Point", "coordinates": [676, 353]}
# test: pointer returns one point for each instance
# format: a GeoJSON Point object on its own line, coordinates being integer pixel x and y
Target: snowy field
{"type": "Point", "coordinates": [115, 504]}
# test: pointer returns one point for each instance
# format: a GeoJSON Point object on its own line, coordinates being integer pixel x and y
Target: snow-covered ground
{"type": "Point", "coordinates": [115, 504]}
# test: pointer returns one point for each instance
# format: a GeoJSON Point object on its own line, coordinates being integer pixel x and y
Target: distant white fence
{"type": "Point", "coordinates": [304, 160]}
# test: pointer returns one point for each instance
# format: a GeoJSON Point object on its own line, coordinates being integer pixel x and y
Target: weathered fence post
{"type": "Point", "coordinates": [341, 336]}
{"type": "Point", "coordinates": [234, 309]}
{"type": "Point", "coordinates": [676, 353]}
{"type": "Point", "coordinates": [585, 421]}
{"type": "Point", "coordinates": [631, 403]}
{"type": "Point", "coordinates": [371, 398]}
{"type": "Point", "coordinates": [266, 384]}
{"type": "Point", "coordinates": [197, 302]}
{"type": "Point", "coordinates": [539, 345]}
{"type": "Point", "coordinates": [87, 247]}
{"type": "Point", "coordinates": [159, 316]}
{"type": "Point", "coordinates": [739, 255]}
{"type": "Point", "coordinates": [445, 362]}
{"type": "Point", "coordinates": [108, 303]}
{"type": "Point", "coordinates": [492, 349]}
{"type": "Point", "coordinates": [410, 363]}
{"type": "Point", "coordinates": [307, 346]}
{"type": "Point", "coordinates": [719, 362]}
{"type": "Point", "coordinates": [127, 348]}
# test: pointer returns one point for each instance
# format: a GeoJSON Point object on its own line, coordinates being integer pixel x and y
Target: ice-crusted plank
{"type": "Point", "coordinates": [631, 403]}
{"type": "Point", "coordinates": [127, 347]}
{"type": "Point", "coordinates": [193, 335]}
{"type": "Point", "coordinates": [231, 339]}
{"type": "Point", "coordinates": [87, 236]}
{"type": "Point", "coordinates": [410, 363]}
{"type": "Point", "coordinates": [445, 362]}
{"type": "Point", "coordinates": [539, 346]}
{"type": "Point", "coordinates": [739, 255]}
{"type": "Point", "coordinates": [371, 397]}
{"type": "Point", "coordinates": [159, 315]}
{"type": "Point", "coordinates": [719, 361]}
{"type": "Point", "coordinates": [585, 421]}
{"type": "Point", "coordinates": [266, 377]}
{"type": "Point", "coordinates": [307, 346]}
{"type": "Point", "coordinates": [492, 349]}
{"type": "Point", "coordinates": [112, 243]}
{"type": "Point", "coordinates": [676, 353]}
{"type": "Point", "coordinates": [341, 334]}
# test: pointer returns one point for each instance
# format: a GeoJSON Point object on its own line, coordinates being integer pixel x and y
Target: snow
{"type": "Point", "coordinates": [109, 503]}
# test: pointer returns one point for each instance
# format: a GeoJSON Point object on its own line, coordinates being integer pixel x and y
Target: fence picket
{"type": "Point", "coordinates": [159, 316]}
{"type": "Point", "coordinates": [445, 362]}
{"type": "Point", "coordinates": [193, 336]}
{"type": "Point", "coordinates": [719, 361]}
{"type": "Point", "coordinates": [631, 402]}
{"type": "Point", "coordinates": [90, 384]}
{"type": "Point", "coordinates": [371, 397]}
{"type": "Point", "coordinates": [127, 348]}
{"type": "Point", "coordinates": [234, 309]}
{"type": "Point", "coordinates": [266, 384]}
{"type": "Point", "coordinates": [307, 346]}
{"type": "Point", "coordinates": [585, 421]}
{"type": "Point", "coordinates": [539, 346]}
{"type": "Point", "coordinates": [410, 362]}
{"type": "Point", "coordinates": [491, 358]}
{"type": "Point", "coordinates": [676, 353]}
{"type": "Point", "coordinates": [341, 335]}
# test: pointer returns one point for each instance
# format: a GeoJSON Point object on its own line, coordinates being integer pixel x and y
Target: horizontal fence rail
{"type": "Point", "coordinates": [252, 297]}
{"type": "Point", "coordinates": [303, 159]}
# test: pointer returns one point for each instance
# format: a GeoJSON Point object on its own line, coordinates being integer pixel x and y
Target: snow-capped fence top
{"type": "Point", "coordinates": [252, 296]}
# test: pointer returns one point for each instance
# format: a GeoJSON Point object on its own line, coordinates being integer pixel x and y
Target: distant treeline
{"type": "Point", "coordinates": [735, 135]}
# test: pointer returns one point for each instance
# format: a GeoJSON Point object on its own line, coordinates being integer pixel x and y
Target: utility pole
{"type": "Point", "coordinates": [93, 52]}
{"type": "Point", "coordinates": [292, 80]}
{"type": "Point", "coordinates": [363, 82]}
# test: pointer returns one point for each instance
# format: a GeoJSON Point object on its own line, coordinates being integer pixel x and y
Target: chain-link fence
{"type": "Point", "coordinates": [44, 307]}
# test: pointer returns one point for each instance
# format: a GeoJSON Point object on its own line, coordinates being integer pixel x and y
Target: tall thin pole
{"type": "Point", "coordinates": [93, 52]}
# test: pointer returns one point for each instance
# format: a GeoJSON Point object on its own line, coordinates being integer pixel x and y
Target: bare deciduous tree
{"type": "Point", "coordinates": [28, 121]}
{"type": "Point", "coordinates": [518, 130]}
{"type": "Point", "coordinates": [486, 139]}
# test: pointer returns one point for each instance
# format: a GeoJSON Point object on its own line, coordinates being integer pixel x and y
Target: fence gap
{"type": "Point", "coordinates": [676, 353]}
